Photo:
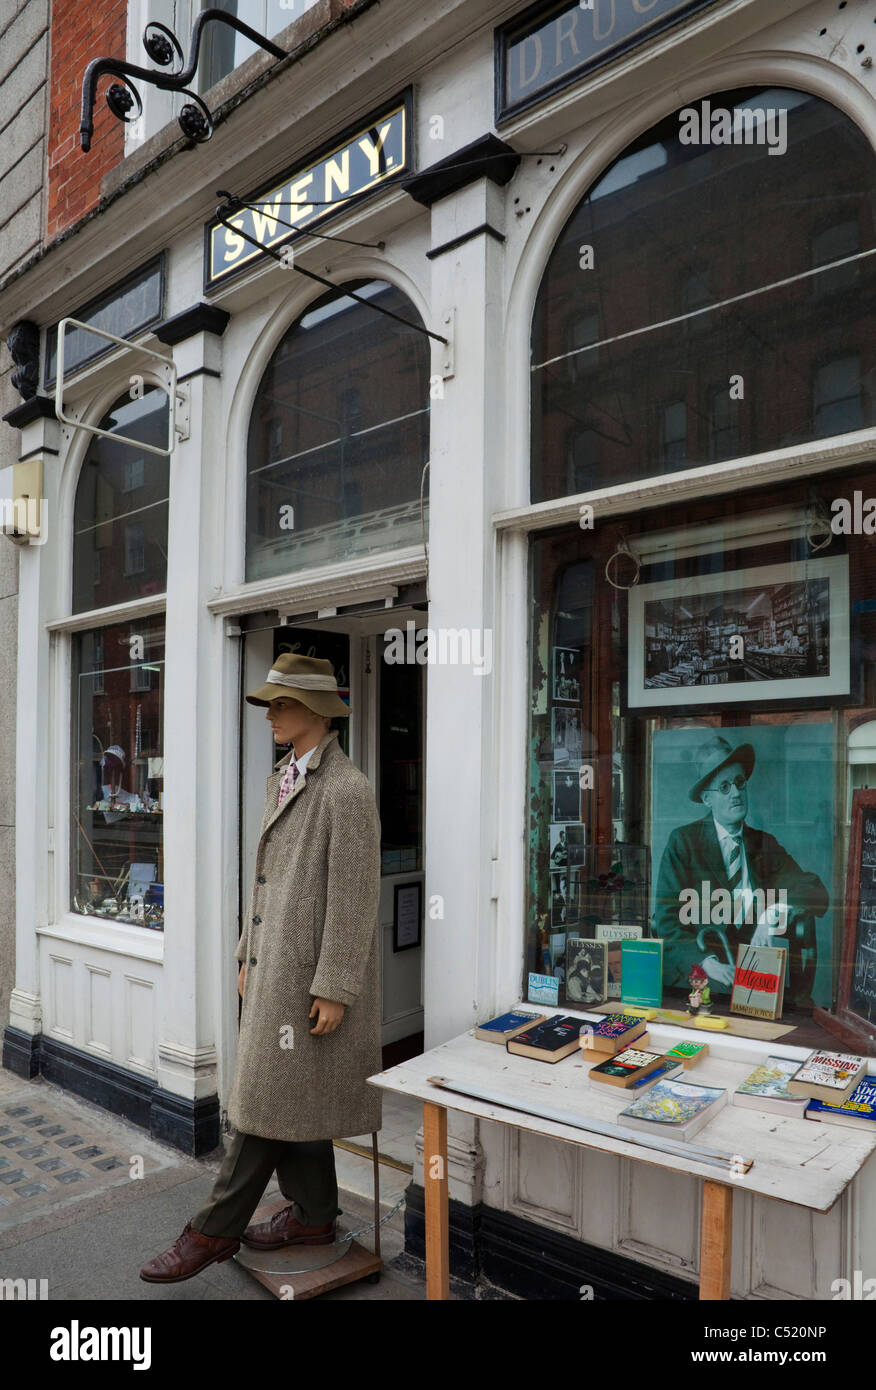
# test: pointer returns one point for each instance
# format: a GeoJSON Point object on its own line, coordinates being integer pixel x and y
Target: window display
{"type": "Point", "coordinates": [714, 819]}
{"type": "Point", "coordinates": [117, 797]}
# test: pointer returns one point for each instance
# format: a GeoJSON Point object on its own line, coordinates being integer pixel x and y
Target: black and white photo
{"type": "Point", "coordinates": [585, 970]}
{"type": "Point", "coordinates": [566, 795]}
{"type": "Point", "coordinates": [567, 686]}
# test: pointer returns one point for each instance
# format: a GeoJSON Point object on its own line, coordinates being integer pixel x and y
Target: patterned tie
{"type": "Point", "coordinates": [290, 777]}
{"type": "Point", "coordinates": [734, 875]}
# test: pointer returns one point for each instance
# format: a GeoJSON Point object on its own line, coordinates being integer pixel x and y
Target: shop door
{"type": "Point", "coordinates": [385, 737]}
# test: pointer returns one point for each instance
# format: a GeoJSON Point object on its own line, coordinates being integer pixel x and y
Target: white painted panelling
{"type": "Point", "coordinates": [99, 1027]}
{"type": "Point", "coordinates": [139, 1016]}
{"type": "Point", "coordinates": [796, 1254]}
{"type": "Point", "coordinates": [543, 1181]}
{"type": "Point", "coordinates": [60, 1014]}
{"type": "Point", "coordinates": [658, 1217]}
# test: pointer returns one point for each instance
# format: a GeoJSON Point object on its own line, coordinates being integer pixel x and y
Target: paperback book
{"type": "Point", "coordinates": [642, 972]}
{"type": "Point", "coordinates": [766, 1088]}
{"type": "Point", "coordinates": [550, 1041]}
{"type": "Point", "coordinates": [830, 1076]}
{"type": "Point", "coordinates": [626, 1067]}
{"type": "Point", "coordinates": [759, 981]}
{"type": "Point", "coordinates": [612, 1033]}
{"type": "Point", "coordinates": [688, 1053]}
{"type": "Point", "coordinates": [585, 971]}
{"type": "Point", "coordinates": [858, 1112]}
{"type": "Point", "coordinates": [614, 936]}
{"type": "Point", "coordinates": [506, 1026]}
{"type": "Point", "coordinates": [678, 1107]}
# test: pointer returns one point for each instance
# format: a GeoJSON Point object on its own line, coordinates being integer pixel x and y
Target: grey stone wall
{"type": "Point", "coordinates": [24, 47]}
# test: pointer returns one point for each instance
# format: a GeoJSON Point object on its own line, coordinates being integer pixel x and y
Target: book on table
{"type": "Point", "coordinates": [830, 1076]}
{"type": "Point", "coordinates": [766, 1088]}
{"type": "Point", "coordinates": [629, 1067]}
{"type": "Point", "coordinates": [611, 1033]}
{"type": "Point", "coordinates": [550, 1041]}
{"type": "Point", "coordinates": [858, 1112]}
{"type": "Point", "coordinates": [678, 1108]}
{"type": "Point", "coordinates": [505, 1026]}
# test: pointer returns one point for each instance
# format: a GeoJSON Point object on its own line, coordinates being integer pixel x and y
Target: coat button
{"type": "Point", "coordinates": [261, 879]}
{"type": "Point", "coordinates": [253, 961]}
{"type": "Point", "coordinates": [256, 921]}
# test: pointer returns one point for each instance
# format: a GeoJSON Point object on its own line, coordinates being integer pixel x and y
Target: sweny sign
{"type": "Point", "coordinates": [551, 45]}
{"type": "Point", "coordinates": [311, 192]}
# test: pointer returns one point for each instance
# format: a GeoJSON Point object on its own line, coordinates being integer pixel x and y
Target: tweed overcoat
{"type": "Point", "coordinates": [311, 932]}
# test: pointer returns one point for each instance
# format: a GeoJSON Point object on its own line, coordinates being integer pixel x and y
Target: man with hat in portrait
{"type": "Point", "coordinates": [722, 851]}
{"type": "Point", "coordinates": [310, 1021]}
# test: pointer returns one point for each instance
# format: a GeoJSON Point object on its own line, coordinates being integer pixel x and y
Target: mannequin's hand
{"type": "Point", "coordinates": [719, 972]}
{"type": "Point", "coordinates": [328, 1015]}
{"type": "Point", "coordinates": [241, 976]}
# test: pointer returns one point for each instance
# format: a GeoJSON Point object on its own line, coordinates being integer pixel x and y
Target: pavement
{"type": "Point", "coordinates": [87, 1198]}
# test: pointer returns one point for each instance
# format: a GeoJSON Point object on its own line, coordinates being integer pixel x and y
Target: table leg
{"type": "Point", "coordinates": [716, 1240]}
{"type": "Point", "coordinates": [435, 1184]}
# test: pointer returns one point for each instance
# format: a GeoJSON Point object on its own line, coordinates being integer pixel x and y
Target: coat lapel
{"type": "Point", "coordinates": [272, 810]}
{"type": "Point", "coordinates": [712, 856]}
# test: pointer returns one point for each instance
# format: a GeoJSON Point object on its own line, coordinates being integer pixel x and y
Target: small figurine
{"type": "Point", "coordinates": [700, 997]}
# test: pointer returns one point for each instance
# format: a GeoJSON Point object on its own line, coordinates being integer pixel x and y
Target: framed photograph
{"type": "Point", "coordinates": [567, 841]}
{"type": "Point", "coordinates": [563, 909]}
{"type": "Point", "coordinates": [774, 632]}
{"type": "Point", "coordinates": [566, 733]}
{"type": "Point", "coordinates": [407, 916]}
{"type": "Point", "coordinates": [566, 798]}
{"type": "Point", "coordinates": [566, 683]}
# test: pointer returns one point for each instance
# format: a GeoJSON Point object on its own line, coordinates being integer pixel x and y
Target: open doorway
{"type": "Point", "coordinates": [385, 738]}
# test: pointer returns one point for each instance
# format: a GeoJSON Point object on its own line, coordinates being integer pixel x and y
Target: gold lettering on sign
{"type": "Point", "coordinates": [535, 40]}
{"type": "Point", "coordinates": [598, 9]}
{"type": "Point", "coordinates": [264, 220]}
{"type": "Point", "coordinates": [372, 148]}
{"type": "Point", "coordinates": [643, 9]}
{"type": "Point", "coordinates": [296, 194]}
{"type": "Point", "coordinates": [234, 242]}
{"type": "Point", "coordinates": [338, 175]}
{"type": "Point", "coordinates": [567, 34]}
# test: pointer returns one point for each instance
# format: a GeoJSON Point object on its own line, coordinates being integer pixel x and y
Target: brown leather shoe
{"type": "Point", "coordinates": [190, 1253]}
{"type": "Point", "coordinates": [283, 1229]}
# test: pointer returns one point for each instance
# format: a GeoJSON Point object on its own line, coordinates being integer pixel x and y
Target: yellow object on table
{"type": "Point", "coordinates": [710, 1021]}
{"type": "Point", "coordinates": [639, 1011]}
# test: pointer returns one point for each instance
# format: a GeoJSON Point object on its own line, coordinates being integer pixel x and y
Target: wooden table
{"type": "Point", "coordinates": [795, 1160]}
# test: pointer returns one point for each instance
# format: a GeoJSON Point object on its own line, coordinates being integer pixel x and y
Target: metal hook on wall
{"type": "Point", "coordinates": [622, 550]}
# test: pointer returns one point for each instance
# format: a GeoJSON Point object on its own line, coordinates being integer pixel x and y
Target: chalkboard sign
{"type": "Point", "coordinates": [854, 1020]}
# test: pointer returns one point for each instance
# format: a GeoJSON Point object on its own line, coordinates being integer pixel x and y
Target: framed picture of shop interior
{"type": "Point", "coordinates": [743, 836]}
{"type": "Point", "coordinates": [763, 633]}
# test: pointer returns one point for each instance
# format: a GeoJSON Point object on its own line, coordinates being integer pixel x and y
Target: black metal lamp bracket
{"type": "Point", "coordinates": [163, 47]}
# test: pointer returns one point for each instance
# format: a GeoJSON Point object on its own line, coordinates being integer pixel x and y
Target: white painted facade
{"type": "Point", "coordinates": [164, 1006]}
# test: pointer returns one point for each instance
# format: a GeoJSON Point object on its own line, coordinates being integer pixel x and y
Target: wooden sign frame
{"type": "Point", "coordinates": [852, 1030]}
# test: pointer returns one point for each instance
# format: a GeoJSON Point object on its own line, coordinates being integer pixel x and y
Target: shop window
{"type": "Point", "coordinates": [655, 219]}
{"type": "Point", "coordinates": [351, 388]}
{"type": "Point", "coordinates": [134, 548]}
{"type": "Point", "coordinates": [119, 553]}
{"type": "Point", "coordinates": [223, 50]}
{"type": "Point", "coordinates": [724, 431]}
{"type": "Point", "coordinates": [727, 685]}
{"type": "Point", "coordinates": [118, 764]}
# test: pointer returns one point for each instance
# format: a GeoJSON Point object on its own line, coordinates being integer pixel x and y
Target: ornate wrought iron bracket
{"type": "Point", "coordinates": [163, 48]}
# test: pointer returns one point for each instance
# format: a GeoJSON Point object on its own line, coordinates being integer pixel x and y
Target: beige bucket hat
{"type": "Point", "coordinates": [305, 678]}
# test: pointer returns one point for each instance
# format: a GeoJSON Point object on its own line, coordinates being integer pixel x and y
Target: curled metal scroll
{"type": "Point", "coordinates": [162, 47]}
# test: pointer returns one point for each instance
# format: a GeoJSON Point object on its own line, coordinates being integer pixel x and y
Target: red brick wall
{"type": "Point", "coordinates": [81, 30]}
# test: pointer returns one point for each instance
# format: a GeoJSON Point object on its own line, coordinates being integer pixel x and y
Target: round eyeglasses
{"type": "Point", "coordinates": [724, 787]}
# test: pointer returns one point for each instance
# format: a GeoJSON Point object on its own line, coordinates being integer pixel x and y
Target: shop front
{"type": "Point", "coordinates": [602, 403]}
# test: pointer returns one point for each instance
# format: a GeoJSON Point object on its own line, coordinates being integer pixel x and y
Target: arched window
{"type": "Point", "coordinates": [733, 285]}
{"type": "Point", "coordinates": [117, 698]}
{"type": "Point", "coordinates": [339, 436]}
